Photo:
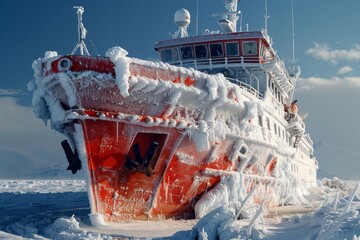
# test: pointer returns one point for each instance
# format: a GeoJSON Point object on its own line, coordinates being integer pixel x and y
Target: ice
{"type": "Point", "coordinates": [97, 220]}
{"type": "Point", "coordinates": [30, 209]}
{"type": "Point", "coordinates": [118, 56]}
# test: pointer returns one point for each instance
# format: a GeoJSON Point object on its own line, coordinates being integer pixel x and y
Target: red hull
{"type": "Point", "coordinates": [169, 191]}
{"type": "Point", "coordinates": [142, 163]}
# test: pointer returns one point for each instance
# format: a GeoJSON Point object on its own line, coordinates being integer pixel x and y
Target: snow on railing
{"type": "Point", "coordinates": [210, 63]}
{"type": "Point", "coordinates": [246, 86]}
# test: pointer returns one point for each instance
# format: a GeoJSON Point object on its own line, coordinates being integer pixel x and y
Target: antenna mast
{"type": "Point", "coordinates": [266, 18]}
{"type": "Point", "coordinates": [81, 33]}
{"type": "Point", "coordinates": [295, 71]}
{"type": "Point", "coordinates": [293, 35]}
{"type": "Point", "coordinates": [228, 20]}
{"type": "Point", "coordinates": [197, 17]}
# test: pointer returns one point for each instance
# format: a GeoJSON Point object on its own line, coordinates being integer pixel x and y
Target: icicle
{"type": "Point", "coordinates": [336, 201]}
{"type": "Point", "coordinates": [352, 197]}
{"type": "Point", "coordinates": [203, 235]}
{"type": "Point", "coordinates": [244, 202]}
{"type": "Point", "coordinates": [255, 218]}
{"type": "Point", "coordinates": [201, 137]}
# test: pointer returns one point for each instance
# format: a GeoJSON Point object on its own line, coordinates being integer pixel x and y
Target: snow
{"type": "Point", "coordinates": [59, 209]}
{"type": "Point", "coordinates": [229, 200]}
{"type": "Point", "coordinates": [118, 56]}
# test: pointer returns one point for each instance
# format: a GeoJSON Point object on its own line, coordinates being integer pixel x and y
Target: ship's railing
{"type": "Point", "coordinates": [308, 139]}
{"type": "Point", "coordinates": [294, 118]}
{"type": "Point", "coordinates": [246, 87]}
{"type": "Point", "coordinates": [210, 63]}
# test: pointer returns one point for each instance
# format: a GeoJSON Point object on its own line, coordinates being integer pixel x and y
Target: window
{"type": "Point", "coordinates": [166, 55]}
{"type": "Point", "coordinates": [275, 129]}
{"type": "Point", "coordinates": [279, 131]}
{"type": "Point", "coordinates": [175, 54]}
{"type": "Point", "coordinates": [232, 49]}
{"type": "Point", "coordinates": [268, 123]}
{"type": "Point", "coordinates": [260, 121]}
{"type": "Point", "coordinates": [169, 55]}
{"type": "Point", "coordinates": [186, 53]}
{"type": "Point", "coordinates": [201, 51]}
{"type": "Point", "coordinates": [216, 50]}
{"type": "Point", "coordinates": [250, 48]}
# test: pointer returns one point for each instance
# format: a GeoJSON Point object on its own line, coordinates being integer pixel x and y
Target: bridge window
{"type": "Point", "coordinates": [250, 48]}
{"type": "Point", "coordinates": [175, 54]}
{"type": "Point", "coordinates": [216, 50]}
{"type": "Point", "coordinates": [169, 55]}
{"type": "Point", "coordinates": [232, 49]}
{"type": "Point", "coordinates": [201, 51]}
{"type": "Point", "coordinates": [186, 53]}
{"type": "Point", "coordinates": [166, 55]}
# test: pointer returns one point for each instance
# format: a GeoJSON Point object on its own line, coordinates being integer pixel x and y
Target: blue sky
{"type": "Point", "coordinates": [327, 50]}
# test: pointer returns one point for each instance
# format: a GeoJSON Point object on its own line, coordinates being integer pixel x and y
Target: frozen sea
{"type": "Point", "coordinates": [58, 209]}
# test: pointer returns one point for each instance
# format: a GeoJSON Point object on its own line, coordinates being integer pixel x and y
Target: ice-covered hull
{"type": "Point", "coordinates": [153, 148]}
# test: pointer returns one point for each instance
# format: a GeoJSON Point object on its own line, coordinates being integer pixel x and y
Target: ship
{"type": "Point", "coordinates": [155, 138]}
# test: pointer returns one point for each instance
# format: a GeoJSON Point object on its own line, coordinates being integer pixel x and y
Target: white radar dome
{"type": "Point", "coordinates": [182, 17]}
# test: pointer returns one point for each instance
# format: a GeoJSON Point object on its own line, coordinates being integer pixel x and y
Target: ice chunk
{"type": "Point", "coordinates": [117, 55]}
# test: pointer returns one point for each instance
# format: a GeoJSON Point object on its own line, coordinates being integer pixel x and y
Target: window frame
{"type": "Point", "coordinates": [206, 48]}
{"type": "Point", "coordinates": [250, 54]}
{"type": "Point", "coordinates": [162, 54]}
{"type": "Point", "coordinates": [238, 49]}
{"type": "Point", "coordinates": [222, 49]}
{"type": "Point", "coordinates": [181, 52]}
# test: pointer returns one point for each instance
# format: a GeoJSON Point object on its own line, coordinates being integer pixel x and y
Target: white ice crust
{"type": "Point", "coordinates": [214, 90]}
{"type": "Point", "coordinates": [118, 56]}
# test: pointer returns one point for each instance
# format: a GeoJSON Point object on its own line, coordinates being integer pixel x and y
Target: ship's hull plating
{"type": "Point", "coordinates": [142, 161]}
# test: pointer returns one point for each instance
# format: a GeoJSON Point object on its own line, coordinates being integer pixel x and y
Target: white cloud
{"type": "Point", "coordinates": [323, 52]}
{"type": "Point", "coordinates": [10, 92]}
{"type": "Point", "coordinates": [27, 145]}
{"type": "Point", "coordinates": [333, 117]}
{"type": "Point", "coordinates": [315, 83]}
{"type": "Point", "coordinates": [344, 70]}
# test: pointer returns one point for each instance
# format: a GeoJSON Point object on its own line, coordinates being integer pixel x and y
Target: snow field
{"type": "Point", "coordinates": [58, 209]}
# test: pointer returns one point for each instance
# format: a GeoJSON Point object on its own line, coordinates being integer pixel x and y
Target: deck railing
{"type": "Point", "coordinates": [246, 87]}
{"type": "Point", "coordinates": [210, 63]}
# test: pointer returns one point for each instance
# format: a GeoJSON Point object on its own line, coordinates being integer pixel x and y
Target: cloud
{"type": "Point", "coordinates": [27, 145]}
{"type": "Point", "coordinates": [315, 83]}
{"type": "Point", "coordinates": [344, 70]}
{"type": "Point", "coordinates": [10, 92]}
{"type": "Point", "coordinates": [323, 52]}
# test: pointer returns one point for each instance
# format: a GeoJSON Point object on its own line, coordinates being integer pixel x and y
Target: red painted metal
{"type": "Point", "coordinates": [122, 187]}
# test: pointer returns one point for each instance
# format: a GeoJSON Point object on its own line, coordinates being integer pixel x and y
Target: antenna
{"type": "Point", "coordinates": [295, 72]}
{"type": "Point", "coordinates": [197, 17]}
{"type": "Point", "coordinates": [293, 35]}
{"type": "Point", "coordinates": [81, 33]}
{"type": "Point", "coordinates": [228, 20]}
{"type": "Point", "coordinates": [266, 16]}
{"type": "Point", "coordinates": [182, 20]}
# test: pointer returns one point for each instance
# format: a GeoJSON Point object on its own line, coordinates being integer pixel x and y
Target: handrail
{"type": "Point", "coordinates": [211, 62]}
{"type": "Point", "coordinates": [245, 86]}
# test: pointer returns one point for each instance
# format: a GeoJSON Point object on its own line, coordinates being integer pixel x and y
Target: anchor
{"type": "Point", "coordinates": [141, 164]}
{"type": "Point", "coordinates": [72, 157]}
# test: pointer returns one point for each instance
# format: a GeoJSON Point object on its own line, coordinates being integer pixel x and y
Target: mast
{"type": "Point", "coordinates": [81, 33]}
{"type": "Point", "coordinates": [197, 17]}
{"type": "Point", "coordinates": [294, 71]}
{"type": "Point", "coordinates": [228, 20]}
{"type": "Point", "coordinates": [266, 17]}
{"type": "Point", "coordinates": [293, 35]}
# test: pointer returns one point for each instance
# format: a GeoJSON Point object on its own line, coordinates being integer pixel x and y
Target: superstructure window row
{"type": "Point", "coordinates": [211, 50]}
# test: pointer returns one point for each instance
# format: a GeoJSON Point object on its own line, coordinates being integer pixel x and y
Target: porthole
{"type": "Point", "coordinates": [64, 64]}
